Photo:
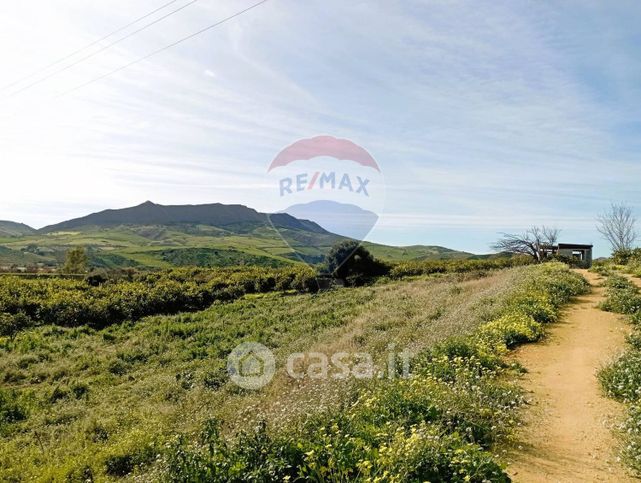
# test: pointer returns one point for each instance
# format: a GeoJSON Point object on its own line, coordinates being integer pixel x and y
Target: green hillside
{"type": "Point", "coordinates": [11, 229]}
{"type": "Point", "coordinates": [414, 252]}
{"type": "Point", "coordinates": [166, 246]}
{"type": "Point", "coordinates": [213, 235]}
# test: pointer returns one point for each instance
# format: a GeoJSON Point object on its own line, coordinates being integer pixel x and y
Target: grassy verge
{"type": "Point", "coordinates": [438, 425]}
{"type": "Point", "coordinates": [621, 379]}
{"type": "Point", "coordinates": [415, 268]}
{"type": "Point", "coordinates": [78, 400]}
{"type": "Point", "coordinates": [82, 403]}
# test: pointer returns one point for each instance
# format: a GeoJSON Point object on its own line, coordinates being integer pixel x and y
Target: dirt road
{"type": "Point", "coordinates": [568, 433]}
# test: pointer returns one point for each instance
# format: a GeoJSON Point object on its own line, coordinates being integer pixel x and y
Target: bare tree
{"type": "Point", "coordinates": [617, 225]}
{"type": "Point", "coordinates": [535, 242]}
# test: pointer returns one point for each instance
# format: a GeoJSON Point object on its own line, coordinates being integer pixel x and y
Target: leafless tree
{"type": "Point", "coordinates": [617, 225]}
{"type": "Point", "coordinates": [534, 242]}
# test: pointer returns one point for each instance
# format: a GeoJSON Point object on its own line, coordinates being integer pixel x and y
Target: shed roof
{"type": "Point", "coordinates": [573, 246]}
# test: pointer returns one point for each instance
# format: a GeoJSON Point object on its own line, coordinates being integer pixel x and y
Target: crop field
{"type": "Point", "coordinates": [146, 394]}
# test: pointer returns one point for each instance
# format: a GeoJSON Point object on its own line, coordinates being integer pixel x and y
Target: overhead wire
{"type": "Point", "coordinates": [162, 49]}
{"type": "Point", "coordinates": [102, 49]}
{"type": "Point", "coordinates": [81, 49]}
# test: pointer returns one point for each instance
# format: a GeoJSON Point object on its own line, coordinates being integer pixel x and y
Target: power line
{"type": "Point", "coordinates": [75, 52]}
{"type": "Point", "coordinates": [173, 44]}
{"type": "Point", "coordinates": [93, 54]}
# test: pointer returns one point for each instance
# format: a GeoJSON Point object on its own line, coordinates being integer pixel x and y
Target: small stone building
{"type": "Point", "coordinates": [579, 252]}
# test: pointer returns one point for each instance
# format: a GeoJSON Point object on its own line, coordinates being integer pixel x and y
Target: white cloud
{"type": "Point", "coordinates": [483, 113]}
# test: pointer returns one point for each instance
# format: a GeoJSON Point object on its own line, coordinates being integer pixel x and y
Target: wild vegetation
{"type": "Point", "coordinates": [353, 263]}
{"type": "Point", "coordinates": [93, 401]}
{"type": "Point", "coordinates": [621, 379]}
{"type": "Point", "coordinates": [97, 302]}
{"type": "Point", "coordinates": [436, 426]}
{"type": "Point", "coordinates": [429, 267]}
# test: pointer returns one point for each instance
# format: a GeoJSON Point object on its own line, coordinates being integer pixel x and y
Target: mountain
{"type": "Point", "coordinates": [11, 229]}
{"type": "Point", "coordinates": [213, 235]}
{"type": "Point", "coordinates": [154, 235]}
{"type": "Point", "coordinates": [215, 214]}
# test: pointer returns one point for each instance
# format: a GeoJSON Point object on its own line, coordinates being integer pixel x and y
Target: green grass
{"type": "Point", "coordinates": [436, 426]}
{"type": "Point", "coordinates": [148, 246]}
{"type": "Point", "coordinates": [413, 252]}
{"type": "Point", "coordinates": [140, 378]}
{"type": "Point", "coordinates": [79, 402]}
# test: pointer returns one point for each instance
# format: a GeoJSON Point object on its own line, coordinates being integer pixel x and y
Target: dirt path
{"type": "Point", "coordinates": [568, 433]}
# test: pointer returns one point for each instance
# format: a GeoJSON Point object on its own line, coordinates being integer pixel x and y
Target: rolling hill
{"type": "Point", "coordinates": [158, 236]}
{"type": "Point", "coordinates": [12, 229]}
{"type": "Point", "coordinates": [233, 217]}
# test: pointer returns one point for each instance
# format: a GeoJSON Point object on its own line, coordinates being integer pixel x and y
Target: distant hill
{"type": "Point", "coordinates": [215, 214]}
{"type": "Point", "coordinates": [212, 235]}
{"type": "Point", "coordinates": [415, 252]}
{"type": "Point", "coordinates": [11, 229]}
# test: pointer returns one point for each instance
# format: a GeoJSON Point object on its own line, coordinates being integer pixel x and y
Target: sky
{"type": "Point", "coordinates": [485, 116]}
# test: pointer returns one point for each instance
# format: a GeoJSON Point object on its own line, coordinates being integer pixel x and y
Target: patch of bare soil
{"type": "Point", "coordinates": [568, 433]}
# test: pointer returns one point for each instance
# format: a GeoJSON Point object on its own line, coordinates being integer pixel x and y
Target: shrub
{"type": "Point", "coordinates": [215, 379]}
{"type": "Point", "coordinates": [11, 324]}
{"type": "Point", "coordinates": [601, 268]}
{"type": "Point", "coordinates": [71, 303]}
{"type": "Point", "coordinates": [512, 329]}
{"type": "Point", "coordinates": [422, 454]}
{"type": "Point", "coordinates": [82, 474]}
{"type": "Point", "coordinates": [134, 451]}
{"type": "Point", "coordinates": [619, 282]}
{"type": "Point", "coordinates": [404, 441]}
{"type": "Point", "coordinates": [59, 393]}
{"type": "Point", "coordinates": [631, 428]}
{"type": "Point", "coordinates": [352, 262]}
{"type": "Point", "coordinates": [622, 378]}
{"type": "Point", "coordinates": [570, 261]}
{"type": "Point", "coordinates": [621, 256]}
{"type": "Point", "coordinates": [12, 409]}
{"type": "Point", "coordinates": [446, 360]}
{"type": "Point", "coordinates": [429, 267]}
{"type": "Point", "coordinates": [97, 278]}
{"type": "Point", "coordinates": [622, 297]}
{"type": "Point", "coordinates": [535, 305]}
